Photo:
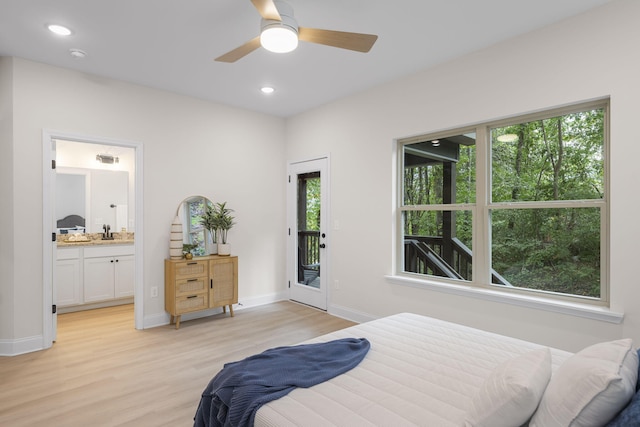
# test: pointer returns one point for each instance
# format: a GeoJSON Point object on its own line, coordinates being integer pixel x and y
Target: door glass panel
{"type": "Point", "coordinates": [308, 193]}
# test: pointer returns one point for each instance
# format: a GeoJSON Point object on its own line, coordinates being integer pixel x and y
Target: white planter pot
{"type": "Point", "coordinates": [224, 249]}
{"type": "Point", "coordinates": [213, 246]}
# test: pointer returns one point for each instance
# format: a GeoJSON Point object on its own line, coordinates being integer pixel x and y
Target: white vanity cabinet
{"type": "Point", "coordinates": [124, 276]}
{"type": "Point", "coordinates": [94, 276]}
{"type": "Point", "coordinates": [108, 272]}
{"type": "Point", "coordinates": [69, 276]}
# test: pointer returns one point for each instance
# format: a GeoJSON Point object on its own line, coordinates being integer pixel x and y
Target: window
{"type": "Point", "coordinates": [439, 185]}
{"type": "Point", "coordinates": [518, 205]}
{"type": "Point", "coordinates": [195, 207]}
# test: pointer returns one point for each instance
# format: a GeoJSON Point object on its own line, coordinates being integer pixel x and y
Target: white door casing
{"type": "Point", "coordinates": [49, 227]}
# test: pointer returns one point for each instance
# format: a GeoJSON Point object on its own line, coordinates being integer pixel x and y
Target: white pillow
{"type": "Point", "coordinates": [511, 394]}
{"type": "Point", "coordinates": [590, 387]}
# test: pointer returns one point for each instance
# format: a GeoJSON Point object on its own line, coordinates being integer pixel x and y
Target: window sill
{"type": "Point", "coordinates": [570, 308]}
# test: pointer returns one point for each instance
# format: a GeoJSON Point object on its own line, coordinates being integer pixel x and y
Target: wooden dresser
{"type": "Point", "coordinates": [200, 284]}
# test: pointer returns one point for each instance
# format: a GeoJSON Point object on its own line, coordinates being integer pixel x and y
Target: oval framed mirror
{"type": "Point", "coordinates": [190, 212]}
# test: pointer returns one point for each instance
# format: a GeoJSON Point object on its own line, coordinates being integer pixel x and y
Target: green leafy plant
{"type": "Point", "coordinates": [210, 221]}
{"type": "Point", "coordinates": [187, 248]}
{"type": "Point", "coordinates": [224, 220]}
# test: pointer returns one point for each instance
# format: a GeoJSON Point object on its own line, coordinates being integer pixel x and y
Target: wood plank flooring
{"type": "Point", "coordinates": [103, 372]}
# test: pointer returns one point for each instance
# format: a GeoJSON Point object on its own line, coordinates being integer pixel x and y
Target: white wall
{"type": "Point", "coordinates": [590, 56]}
{"type": "Point", "coordinates": [190, 147]}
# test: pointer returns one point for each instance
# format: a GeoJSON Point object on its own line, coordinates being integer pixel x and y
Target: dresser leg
{"type": "Point", "coordinates": [177, 321]}
{"type": "Point", "coordinates": [231, 310]}
{"type": "Point", "coordinates": [224, 309]}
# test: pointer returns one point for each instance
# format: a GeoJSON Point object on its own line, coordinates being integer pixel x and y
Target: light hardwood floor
{"type": "Point", "coordinates": [103, 372]}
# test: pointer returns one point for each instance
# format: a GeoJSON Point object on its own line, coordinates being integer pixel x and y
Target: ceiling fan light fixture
{"type": "Point", "coordinates": [279, 38]}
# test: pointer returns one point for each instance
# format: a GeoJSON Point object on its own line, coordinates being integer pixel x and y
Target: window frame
{"type": "Point", "coordinates": [483, 206]}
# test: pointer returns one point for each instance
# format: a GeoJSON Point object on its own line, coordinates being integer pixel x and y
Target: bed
{"type": "Point", "coordinates": [428, 372]}
{"type": "Point", "coordinates": [71, 224]}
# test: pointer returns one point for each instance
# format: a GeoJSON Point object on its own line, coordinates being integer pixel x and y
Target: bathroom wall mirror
{"type": "Point", "coordinates": [72, 200]}
{"type": "Point", "coordinates": [190, 213]}
{"type": "Point", "coordinates": [98, 196]}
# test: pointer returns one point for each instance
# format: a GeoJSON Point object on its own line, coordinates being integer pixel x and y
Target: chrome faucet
{"type": "Point", "coordinates": [107, 235]}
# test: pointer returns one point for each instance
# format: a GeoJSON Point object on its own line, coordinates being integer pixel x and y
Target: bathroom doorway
{"type": "Point", "coordinates": [93, 207]}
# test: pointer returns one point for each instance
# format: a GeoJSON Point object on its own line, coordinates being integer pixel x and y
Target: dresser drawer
{"type": "Point", "coordinates": [191, 286]}
{"type": "Point", "coordinates": [193, 302]}
{"type": "Point", "coordinates": [190, 269]}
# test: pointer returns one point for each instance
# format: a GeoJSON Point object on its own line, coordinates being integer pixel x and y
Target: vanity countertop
{"type": "Point", "coordinates": [94, 239]}
{"type": "Point", "coordinates": [96, 242]}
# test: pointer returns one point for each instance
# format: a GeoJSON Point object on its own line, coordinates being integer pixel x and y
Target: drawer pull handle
{"type": "Point", "coordinates": [191, 296]}
{"type": "Point", "coordinates": [192, 280]}
{"type": "Point", "coordinates": [192, 263]}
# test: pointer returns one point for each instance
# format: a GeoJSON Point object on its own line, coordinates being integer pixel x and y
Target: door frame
{"type": "Point", "coordinates": [292, 238]}
{"type": "Point", "coordinates": [49, 319]}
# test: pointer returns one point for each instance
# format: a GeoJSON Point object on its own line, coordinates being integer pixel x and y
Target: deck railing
{"type": "Point", "coordinates": [309, 244]}
{"type": "Point", "coordinates": [426, 255]}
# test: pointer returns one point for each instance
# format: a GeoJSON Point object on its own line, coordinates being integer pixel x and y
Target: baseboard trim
{"type": "Point", "coordinates": [262, 300]}
{"type": "Point", "coordinates": [163, 318]}
{"type": "Point", "coordinates": [21, 345]}
{"type": "Point", "coordinates": [91, 306]}
{"type": "Point", "coordinates": [155, 320]}
{"type": "Point", "coordinates": [349, 314]}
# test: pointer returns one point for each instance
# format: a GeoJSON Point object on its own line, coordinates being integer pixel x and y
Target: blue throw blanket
{"type": "Point", "coordinates": [234, 395]}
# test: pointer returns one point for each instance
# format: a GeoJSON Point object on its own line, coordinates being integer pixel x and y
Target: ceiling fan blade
{"type": "Point", "coordinates": [241, 51]}
{"type": "Point", "coordinates": [267, 9]}
{"type": "Point", "coordinates": [352, 41]}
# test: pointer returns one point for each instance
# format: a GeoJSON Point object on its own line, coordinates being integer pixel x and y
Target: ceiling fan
{"type": "Point", "coordinates": [279, 32]}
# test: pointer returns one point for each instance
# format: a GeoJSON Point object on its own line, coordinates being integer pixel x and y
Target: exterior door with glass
{"type": "Point", "coordinates": [308, 240]}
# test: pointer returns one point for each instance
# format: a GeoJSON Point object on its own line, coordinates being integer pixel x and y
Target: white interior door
{"type": "Point", "coordinates": [308, 242]}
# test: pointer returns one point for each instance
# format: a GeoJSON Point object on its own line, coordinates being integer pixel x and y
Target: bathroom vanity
{"type": "Point", "coordinates": [92, 274]}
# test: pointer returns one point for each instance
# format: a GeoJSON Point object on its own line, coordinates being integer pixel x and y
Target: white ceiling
{"type": "Point", "coordinates": [171, 44]}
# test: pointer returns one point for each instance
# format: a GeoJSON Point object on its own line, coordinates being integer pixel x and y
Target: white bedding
{"type": "Point", "coordinates": [419, 371]}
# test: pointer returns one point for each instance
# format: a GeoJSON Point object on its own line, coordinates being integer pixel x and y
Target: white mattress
{"type": "Point", "coordinates": [419, 371]}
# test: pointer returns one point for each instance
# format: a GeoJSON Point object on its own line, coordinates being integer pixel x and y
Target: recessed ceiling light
{"type": "Point", "coordinates": [77, 53]}
{"type": "Point", "coordinates": [267, 89]}
{"type": "Point", "coordinates": [59, 30]}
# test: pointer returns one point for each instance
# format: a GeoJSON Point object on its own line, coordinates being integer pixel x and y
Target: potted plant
{"type": "Point", "coordinates": [186, 250]}
{"type": "Point", "coordinates": [209, 221]}
{"type": "Point", "coordinates": [225, 223]}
